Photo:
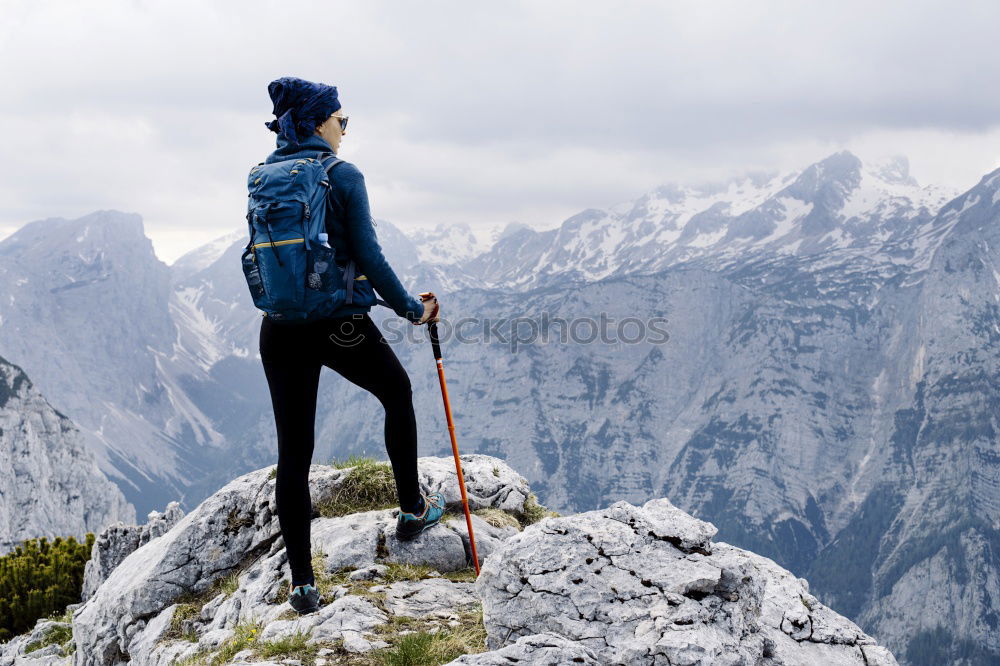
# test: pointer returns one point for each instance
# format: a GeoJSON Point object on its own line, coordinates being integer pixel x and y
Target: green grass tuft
{"type": "Point", "coordinates": [369, 485]}
{"type": "Point", "coordinates": [58, 635]}
{"type": "Point", "coordinates": [230, 583]}
{"type": "Point", "coordinates": [293, 646]}
{"type": "Point", "coordinates": [189, 605]}
{"type": "Point", "coordinates": [326, 580]}
{"type": "Point", "coordinates": [428, 645]}
{"type": "Point", "coordinates": [533, 512]}
{"type": "Point", "coordinates": [352, 460]}
{"type": "Point", "coordinates": [186, 610]}
{"type": "Point", "coordinates": [398, 571]}
{"type": "Point", "coordinates": [66, 616]}
{"type": "Point", "coordinates": [245, 636]}
{"type": "Point", "coordinates": [497, 518]}
{"type": "Point", "coordinates": [412, 650]}
{"type": "Point", "coordinates": [466, 575]}
{"type": "Point", "coordinates": [236, 522]}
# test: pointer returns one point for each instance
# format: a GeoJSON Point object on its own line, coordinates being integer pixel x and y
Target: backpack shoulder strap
{"type": "Point", "coordinates": [329, 162]}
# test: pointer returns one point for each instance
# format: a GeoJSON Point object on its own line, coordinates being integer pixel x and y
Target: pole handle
{"type": "Point", "coordinates": [432, 329]}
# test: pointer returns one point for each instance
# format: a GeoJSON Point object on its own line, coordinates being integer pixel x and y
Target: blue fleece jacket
{"type": "Point", "coordinates": [348, 185]}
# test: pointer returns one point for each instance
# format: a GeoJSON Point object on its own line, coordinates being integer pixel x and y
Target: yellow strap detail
{"type": "Point", "coordinates": [281, 242]}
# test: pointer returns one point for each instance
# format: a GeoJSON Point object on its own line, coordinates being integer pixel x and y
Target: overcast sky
{"type": "Point", "coordinates": [479, 112]}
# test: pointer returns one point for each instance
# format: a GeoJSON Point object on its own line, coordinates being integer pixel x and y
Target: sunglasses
{"type": "Point", "coordinates": [343, 122]}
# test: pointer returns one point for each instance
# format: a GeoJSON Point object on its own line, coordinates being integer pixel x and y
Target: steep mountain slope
{"type": "Point", "coordinates": [938, 499]}
{"type": "Point", "coordinates": [84, 309]}
{"type": "Point", "coordinates": [51, 483]}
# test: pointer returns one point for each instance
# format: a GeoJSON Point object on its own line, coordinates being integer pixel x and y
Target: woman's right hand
{"type": "Point", "coordinates": [431, 308]}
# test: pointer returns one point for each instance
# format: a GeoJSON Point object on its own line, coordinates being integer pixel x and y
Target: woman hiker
{"type": "Point", "coordinates": [309, 121]}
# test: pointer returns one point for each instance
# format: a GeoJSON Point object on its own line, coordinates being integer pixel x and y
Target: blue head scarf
{"type": "Point", "coordinates": [299, 106]}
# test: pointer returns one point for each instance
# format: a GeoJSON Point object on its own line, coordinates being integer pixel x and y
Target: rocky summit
{"type": "Point", "coordinates": [621, 585]}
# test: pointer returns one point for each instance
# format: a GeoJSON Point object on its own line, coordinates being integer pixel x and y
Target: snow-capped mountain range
{"type": "Point", "coordinates": [827, 395]}
{"type": "Point", "coordinates": [835, 204]}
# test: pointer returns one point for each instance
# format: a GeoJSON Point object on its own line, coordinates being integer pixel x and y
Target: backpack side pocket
{"type": "Point", "coordinates": [252, 273]}
{"type": "Point", "coordinates": [322, 274]}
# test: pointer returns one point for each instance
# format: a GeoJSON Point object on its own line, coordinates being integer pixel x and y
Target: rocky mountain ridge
{"type": "Point", "coordinates": [51, 483]}
{"type": "Point", "coordinates": [622, 585]}
{"type": "Point", "coordinates": [837, 203]}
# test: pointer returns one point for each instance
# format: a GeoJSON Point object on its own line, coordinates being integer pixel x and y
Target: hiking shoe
{"type": "Point", "coordinates": [304, 599]}
{"type": "Point", "coordinates": [409, 525]}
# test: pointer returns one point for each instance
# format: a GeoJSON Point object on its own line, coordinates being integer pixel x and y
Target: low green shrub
{"type": "Point", "coordinates": [40, 578]}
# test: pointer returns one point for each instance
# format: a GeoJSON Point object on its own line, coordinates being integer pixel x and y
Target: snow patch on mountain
{"type": "Point", "coordinates": [205, 255]}
{"type": "Point", "coordinates": [450, 243]}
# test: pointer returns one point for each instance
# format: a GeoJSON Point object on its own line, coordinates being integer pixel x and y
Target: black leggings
{"type": "Point", "coordinates": [293, 355]}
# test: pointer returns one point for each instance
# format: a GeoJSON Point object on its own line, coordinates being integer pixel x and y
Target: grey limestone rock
{"type": "Point", "coordinates": [621, 585]}
{"type": "Point", "coordinates": [544, 649]}
{"type": "Point", "coordinates": [430, 597]}
{"type": "Point", "coordinates": [52, 485]}
{"type": "Point", "coordinates": [234, 534]}
{"type": "Point", "coordinates": [117, 541]}
{"type": "Point", "coordinates": [229, 527]}
{"type": "Point", "coordinates": [646, 585]}
{"type": "Point", "coordinates": [16, 651]}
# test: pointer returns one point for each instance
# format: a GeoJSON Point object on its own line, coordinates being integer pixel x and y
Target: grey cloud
{"type": "Point", "coordinates": [650, 91]}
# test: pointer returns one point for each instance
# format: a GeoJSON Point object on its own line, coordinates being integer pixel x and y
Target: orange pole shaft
{"type": "Point", "coordinates": [458, 464]}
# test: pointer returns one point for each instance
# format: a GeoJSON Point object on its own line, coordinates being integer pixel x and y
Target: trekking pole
{"type": "Point", "coordinates": [436, 346]}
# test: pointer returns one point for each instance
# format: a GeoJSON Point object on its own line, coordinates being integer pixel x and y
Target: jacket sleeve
{"type": "Point", "coordinates": [367, 252]}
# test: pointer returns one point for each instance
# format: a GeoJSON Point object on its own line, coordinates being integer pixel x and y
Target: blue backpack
{"type": "Point", "coordinates": [289, 268]}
